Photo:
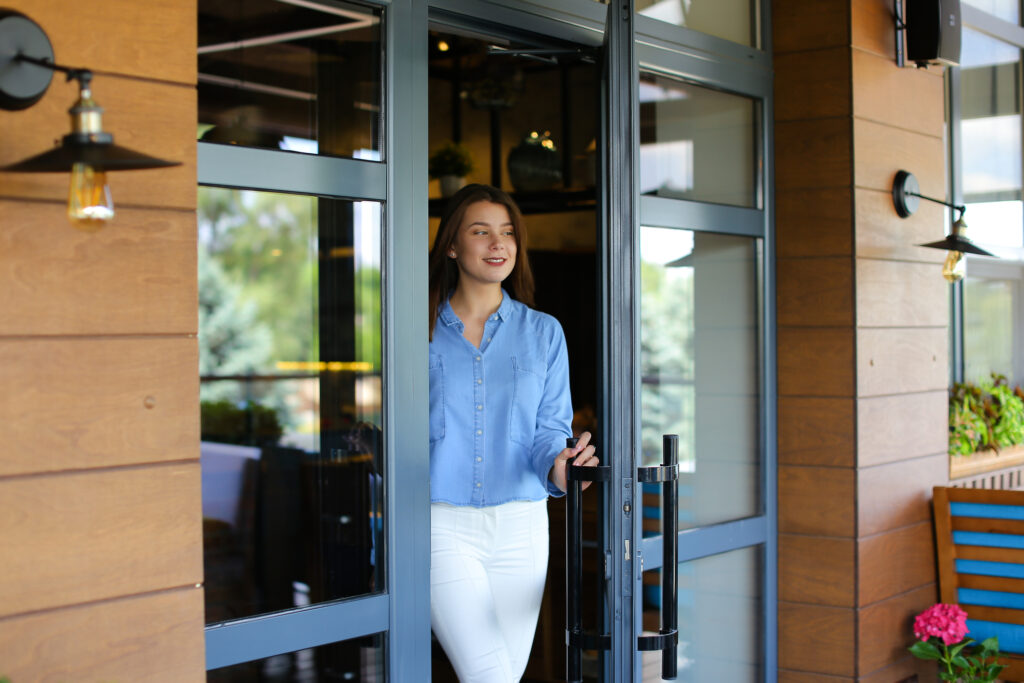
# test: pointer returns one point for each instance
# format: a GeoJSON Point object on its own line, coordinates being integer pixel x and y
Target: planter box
{"type": "Point", "coordinates": [983, 462]}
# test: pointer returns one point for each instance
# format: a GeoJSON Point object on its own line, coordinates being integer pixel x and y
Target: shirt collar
{"type": "Point", "coordinates": [504, 311]}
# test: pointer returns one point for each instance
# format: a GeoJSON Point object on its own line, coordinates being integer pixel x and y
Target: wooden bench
{"type": "Point", "coordinates": [979, 536]}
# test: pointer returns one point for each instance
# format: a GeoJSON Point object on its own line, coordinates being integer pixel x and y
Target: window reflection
{"type": "Point", "coordinates": [697, 143]}
{"type": "Point", "coordinates": [1007, 10]}
{"type": "Point", "coordinates": [699, 366]}
{"type": "Point", "coordinates": [360, 660]}
{"type": "Point", "coordinates": [290, 362]}
{"type": "Point", "coordinates": [298, 76]}
{"type": "Point", "coordinates": [735, 20]}
{"type": "Point", "coordinates": [720, 624]}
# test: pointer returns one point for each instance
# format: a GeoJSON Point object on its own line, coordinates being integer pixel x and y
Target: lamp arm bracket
{"type": "Point", "coordinates": [83, 76]}
{"type": "Point", "coordinates": [959, 207]}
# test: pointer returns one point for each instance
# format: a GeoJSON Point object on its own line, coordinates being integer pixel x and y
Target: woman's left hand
{"type": "Point", "coordinates": [583, 453]}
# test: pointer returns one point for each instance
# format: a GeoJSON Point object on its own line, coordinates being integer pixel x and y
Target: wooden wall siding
{"type": "Point", "coordinates": [130, 401]}
{"type": "Point", "coordinates": [893, 428]}
{"type": "Point", "coordinates": [102, 641]}
{"type": "Point", "coordinates": [817, 431]}
{"type": "Point", "coordinates": [817, 570]}
{"type": "Point", "coordinates": [58, 281]}
{"type": "Point", "coordinates": [883, 234]}
{"type": "Point", "coordinates": [101, 522]}
{"type": "Point", "coordinates": [870, 119]}
{"type": "Point", "coordinates": [817, 639]}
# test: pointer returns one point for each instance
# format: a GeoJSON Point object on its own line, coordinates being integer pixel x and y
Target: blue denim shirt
{"type": "Point", "coordinates": [498, 414]}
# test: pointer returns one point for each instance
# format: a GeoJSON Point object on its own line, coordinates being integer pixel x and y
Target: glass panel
{"type": "Point", "coordinates": [735, 20]}
{"type": "Point", "coordinates": [989, 312]}
{"type": "Point", "coordinates": [697, 143]}
{"type": "Point", "coordinates": [1007, 10]}
{"type": "Point", "coordinates": [699, 366]}
{"type": "Point", "coordinates": [290, 388]}
{"type": "Point", "coordinates": [291, 75]}
{"type": "Point", "coordinates": [360, 660]}
{"type": "Point", "coordinates": [991, 145]}
{"type": "Point", "coordinates": [720, 618]}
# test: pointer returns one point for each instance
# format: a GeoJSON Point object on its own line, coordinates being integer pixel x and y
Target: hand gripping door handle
{"type": "Point", "coordinates": [667, 639]}
{"type": "Point", "coordinates": [576, 641]}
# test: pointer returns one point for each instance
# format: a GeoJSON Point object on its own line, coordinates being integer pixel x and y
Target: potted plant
{"type": "Point", "coordinates": [450, 164]}
{"type": "Point", "coordinates": [986, 426]}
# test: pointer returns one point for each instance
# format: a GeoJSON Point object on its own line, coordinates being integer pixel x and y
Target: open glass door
{"type": "Point", "coordinates": [687, 364]}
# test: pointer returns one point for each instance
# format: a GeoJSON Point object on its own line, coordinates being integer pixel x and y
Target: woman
{"type": "Point", "coordinates": [500, 413]}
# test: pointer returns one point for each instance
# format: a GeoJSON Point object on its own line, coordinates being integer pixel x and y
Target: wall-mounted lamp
{"type": "Point", "coordinates": [26, 70]}
{"type": "Point", "coordinates": [906, 194]}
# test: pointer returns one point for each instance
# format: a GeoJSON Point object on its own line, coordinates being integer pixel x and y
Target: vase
{"type": "Point", "coordinates": [450, 184]}
{"type": "Point", "coordinates": [534, 164]}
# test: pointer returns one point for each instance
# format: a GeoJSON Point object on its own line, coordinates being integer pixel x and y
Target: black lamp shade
{"type": "Point", "coordinates": [98, 151]}
{"type": "Point", "coordinates": [957, 243]}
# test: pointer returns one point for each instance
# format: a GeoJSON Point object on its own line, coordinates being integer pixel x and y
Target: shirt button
{"type": "Point", "coordinates": [479, 381]}
{"type": "Point", "coordinates": [479, 432]}
{"type": "Point", "coordinates": [478, 359]}
{"type": "Point", "coordinates": [488, 339]}
{"type": "Point", "coordinates": [479, 459]}
{"type": "Point", "coordinates": [478, 484]}
{"type": "Point", "coordinates": [480, 407]}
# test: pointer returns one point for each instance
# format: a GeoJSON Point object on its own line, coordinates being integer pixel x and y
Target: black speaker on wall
{"type": "Point", "coordinates": [932, 29]}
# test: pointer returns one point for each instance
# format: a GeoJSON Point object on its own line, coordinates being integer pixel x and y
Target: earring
{"type": "Point", "coordinates": [451, 253]}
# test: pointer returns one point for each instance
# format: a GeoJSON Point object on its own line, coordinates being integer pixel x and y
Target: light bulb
{"type": "Point", "coordinates": [955, 266]}
{"type": "Point", "coordinates": [89, 204]}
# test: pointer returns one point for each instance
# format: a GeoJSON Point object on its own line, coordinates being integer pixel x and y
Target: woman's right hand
{"type": "Point", "coordinates": [584, 456]}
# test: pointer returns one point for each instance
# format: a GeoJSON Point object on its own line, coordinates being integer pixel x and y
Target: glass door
{"type": "Point", "coordinates": [687, 353]}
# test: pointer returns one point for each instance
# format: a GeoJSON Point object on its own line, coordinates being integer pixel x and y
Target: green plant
{"type": "Point", "coordinates": [985, 416]}
{"type": "Point", "coordinates": [248, 425]}
{"type": "Point", "coordinates": [451, 158]}
{"type": "Point", "coordinates": [941, 633]}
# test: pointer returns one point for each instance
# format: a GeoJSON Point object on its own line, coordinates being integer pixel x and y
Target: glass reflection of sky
{"type": "Point", "coordinates": [664, 245]}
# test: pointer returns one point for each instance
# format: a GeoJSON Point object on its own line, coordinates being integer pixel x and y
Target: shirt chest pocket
{"type": "Point", "coordinates": [437, 406]}
{"type": "Point", "coordinates": [527, 389]}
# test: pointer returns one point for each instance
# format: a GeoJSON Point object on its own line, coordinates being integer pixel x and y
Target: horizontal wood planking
{"type": "Point", "coordinates": [813, 154]}
{"type": "Point", "coordinates": [898, 494]}
{"type": "Point", "coordinates": [904, 98]}
{"type": "Point", "coordinates": [136, 276]}
{"type": "Point", "coordinates": [815, 292]}
{"type": "Point", "coordinates": [882, 234]}
{"type": "Point", "coordinates": [816, 361]}
{"type": "Point", "coordinates": [990, 583]}
{"type": "Point", "coordinates": [1003, 615]}
{"type": "Point", "coordinates": [800, 25]}
{"type": "Point", "coordinates": [786, 676]}
{"type": "Point", "coordinates": [880, 151]}
{"type": "Point", "coordinates": [817, 500]}
{"type": "Point", "coordinates": [986, 525]}
{"type": "Point", "coordinates": [814, 222]}
{"type": "Point", "coordinates": [984, 553]}
{"type": "Point", "coordinates": [895, 562]}
{"type": "Point", "coordinates": [897, 294]}
{"type": "Point", "coordinates": [84, 537]}
{"type": "Point", "coordinates": [87, 403]}
{"type": "Point", "coordinates": [873, 28]}
{"type": "Point", "coordinates": [902, 670]}
{"type": "Point", "coordinates": [884, 629]}
{"type": "Point", "coordinates": [817, 570]}
{"type": "Point", "coordinates": [813, 84]}
{"type": "Point", "coordinates": [894, 428]}
{"type": "Point", "coordinates": [816, 431]}
{"type": "Point", "coordinates": [155, 39]}
{"type": "Point", "coordinates": [901, 360]}
{"type": "Point", "coordinates": [818, 639]}
{"type": "Point", "coordinates": [158, 119]}
{"type": "Point", "coordinates": [156, 637]}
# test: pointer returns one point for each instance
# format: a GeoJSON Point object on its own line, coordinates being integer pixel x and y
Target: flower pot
{"type": "Point", "coordinates": [450, 184]}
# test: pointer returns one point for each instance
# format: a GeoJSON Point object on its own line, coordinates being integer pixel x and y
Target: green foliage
{"type": "Point", "coordinates": [967, 661]}
{"type": "Point", "coordinates": [246, 425]}
{"type": "Point", "coordinates": [451, 158]}
{"type": "Point", "coordinates": [985, 416]}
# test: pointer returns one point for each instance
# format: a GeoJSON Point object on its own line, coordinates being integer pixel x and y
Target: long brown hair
{"type": "Point", "coordinates": [444, 271]}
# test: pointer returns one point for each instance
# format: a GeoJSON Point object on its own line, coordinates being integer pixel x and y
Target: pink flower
{"type": "Point", "coordinates": [947, 622]}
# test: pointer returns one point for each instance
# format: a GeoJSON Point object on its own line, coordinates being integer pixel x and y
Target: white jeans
{"type": "Point", "coordinates": [487, 571]}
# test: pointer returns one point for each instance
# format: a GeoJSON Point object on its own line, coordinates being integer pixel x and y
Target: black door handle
{"type": "Point", "coordinates": [667, 639]}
